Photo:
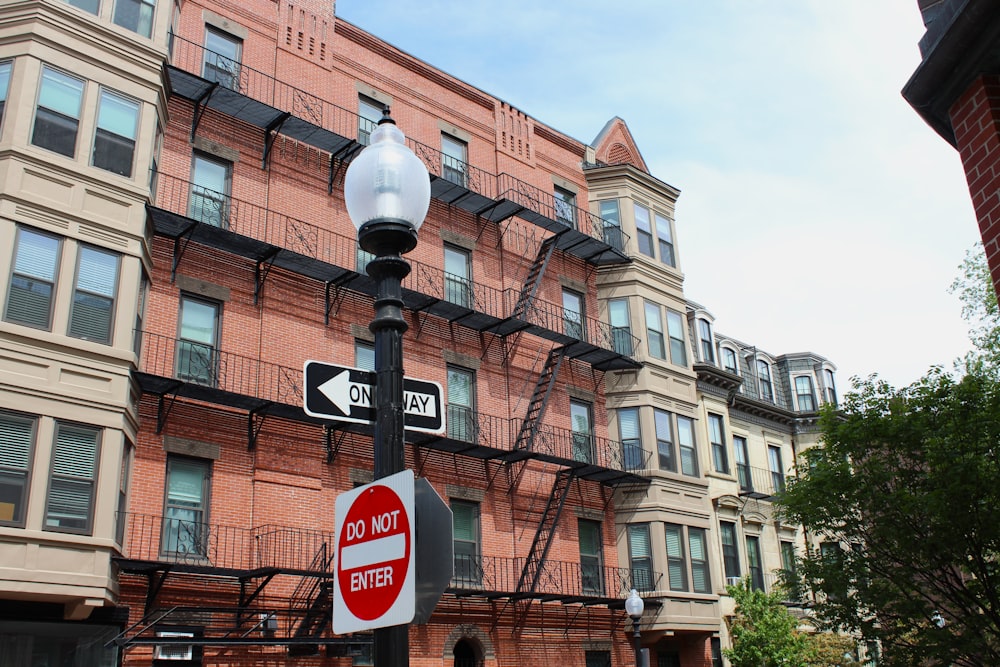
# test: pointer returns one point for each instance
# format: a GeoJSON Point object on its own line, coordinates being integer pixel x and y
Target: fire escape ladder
{"type": "Point", "coordinates": [312, 599]}
{"type": "Point", "coordinates": [539, 400]}
{"type": "Point", "coordinates": [534, 277]}
{"type": "Point", "coordinates": [535, 560]}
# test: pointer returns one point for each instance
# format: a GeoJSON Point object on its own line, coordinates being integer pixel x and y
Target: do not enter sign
{"type": "Point", "coordinates": [374, 555]}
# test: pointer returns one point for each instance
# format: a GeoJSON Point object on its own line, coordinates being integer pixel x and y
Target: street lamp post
{"type": "Point", "coordinates": [387, 192]}
{"type": "Point", "coordinates": [634, 607]}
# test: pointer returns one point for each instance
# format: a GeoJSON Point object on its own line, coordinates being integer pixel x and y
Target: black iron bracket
{"type": "Point", "coordinates": [270, 134]}
{"type": "Point", "coordinates": [163, 408]}
{"type": "Point", "coordinates": [200, 105]}
{"type": "Point", "coordinates": [338, 160]}
{"type": "Point", "coordinates": [332, 444]}
{"type": "Point", "coordinates": [156, 580]}
{"type": "Point", "coordinates": [255, 422]}
{"type": "Point", "coordinates": [181, 242]}
{"type": "Point", "coordinates": [260, 275]}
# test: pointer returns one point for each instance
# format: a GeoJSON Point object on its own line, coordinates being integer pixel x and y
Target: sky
{"type": "Point", "coordinates": [818, 212]}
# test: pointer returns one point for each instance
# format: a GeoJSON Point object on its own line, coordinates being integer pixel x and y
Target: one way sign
{"type": "Point", "coordinates": [348, 394]}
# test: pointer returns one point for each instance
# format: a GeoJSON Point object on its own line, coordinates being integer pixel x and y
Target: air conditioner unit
{"type": "Point", "coordinates": [173, 651]}
{"type": "Point", "coordinates": [732, 581]}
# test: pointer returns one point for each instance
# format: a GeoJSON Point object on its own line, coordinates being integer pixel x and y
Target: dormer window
{"type": "Point", "coordinates": [804, 395]}
{"type": "Point", "coordinates": [764, 380]}
{"type": "Point", "coordinates": [729, 361]}
{"type": "Point", "coordinates": [705, 341]}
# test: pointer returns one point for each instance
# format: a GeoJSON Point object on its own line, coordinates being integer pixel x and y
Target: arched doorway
{"type": "Point", "coordinates": [465, 654]}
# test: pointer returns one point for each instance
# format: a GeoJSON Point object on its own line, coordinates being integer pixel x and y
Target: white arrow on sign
{"type": "Point", "coordinates": [343, 393]}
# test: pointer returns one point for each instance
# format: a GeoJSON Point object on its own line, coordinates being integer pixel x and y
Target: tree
{"type": "Point", "coordinates": [974, 288]}
{"type": "Point", "coordinates": [763, 631]}
{"type": "Point", "coordinates": [903, 495]}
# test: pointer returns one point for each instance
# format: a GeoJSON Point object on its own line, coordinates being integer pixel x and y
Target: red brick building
{"type": "Point", "coordinates": [956, 89]}
{"type": "Point", "coordinates": [255, 269]}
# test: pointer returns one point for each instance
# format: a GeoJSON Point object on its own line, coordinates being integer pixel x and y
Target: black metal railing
{"type": "Point", "coordinates": [164, 539]}
{"type": "Point", "coordinates": [761, 482]}
{"type": "Point", "coordinates": [264, 88]}
{"type": "Point", "coordinates": [766, 393]}
{"type": "Point", "coordinates": [269, 382]}
{"type": "Point", "coordinates": [181, 197]}
{"type": "Point", "coordinates": [568, 580]}
{"type": "Point", "coordinates": [312, 108]}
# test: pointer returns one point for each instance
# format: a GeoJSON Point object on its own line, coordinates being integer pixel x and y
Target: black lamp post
{"type": "Point", "coordinates": [387, 192]}
{"type": "Point", "coordinates": [634, 607]}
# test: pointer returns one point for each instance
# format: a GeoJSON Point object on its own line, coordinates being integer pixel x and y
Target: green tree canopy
{"type": "Point", "coordinates": [763, 631]}
{"type": "Point", "coordinates": [905, 491]}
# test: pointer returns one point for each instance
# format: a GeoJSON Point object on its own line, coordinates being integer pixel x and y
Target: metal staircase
{"type": "Point", "coordinates": [535, 560]}
{"type": "Point", "coordinates": [534, 277]}
{"type": "Point", "coordinates": [313, 601]}
{"type": "Point", "coordinates": [539, 400]}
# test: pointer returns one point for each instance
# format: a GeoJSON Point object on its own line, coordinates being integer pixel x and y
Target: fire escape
{"type": "Point", "coordinates": [272, 240]}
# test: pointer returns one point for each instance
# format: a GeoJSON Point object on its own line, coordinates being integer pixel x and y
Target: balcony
{"type": "Point", "coordinates": [567, 582]}
{"type": "Point", "coordinates": [760, 483]}
{"type": "Point", "coordinates": [261, 100]}
{"type": "Point", "coordinates": [190, 546]}
{"type": "Point", "coordinates": [262, 388]}
{"type": "Point", "coordinates": [272, 239]}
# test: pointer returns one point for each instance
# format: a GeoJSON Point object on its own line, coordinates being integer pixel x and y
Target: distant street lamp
{"type": "Point", "coordinates": [634, 606]}
{"type": "Point", "coordinates": [387, 192]}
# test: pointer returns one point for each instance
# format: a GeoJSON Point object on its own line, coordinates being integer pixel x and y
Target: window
{"type": "Point", "coordinates": [32, 282]}
{"type": "Point", "coordinates": [730, 553]}
{"type": "Point", "coordinates": [675, 329]}
{"type": "Point", "coordinates": [17, 435]}
{"type": "Point", "coordinates": [764, 378]}
{"type": "Point", "coordinates": [210, 179]}
{"type": "Point", "coordinates": [664, 440]}
{"type": "Point", "coordinates": [454, 160]}
{"type": "Point", "coordinates": [612, 221]}
{"type": "Point", "coordinates": [685, 443]}
{"type": "Point", "coordinates": [591, 559]}
{"type": "Point", "coordinates": [123, 481]}
{"type": "Point", "coordinates": [621, 327]}
{"type": "Point", "coordinates": [461, 404]}
{"type": "Point", "coordinates": [73, 479]}
{"type": "Point", "coordinates": [573, 316]}
{"type": "Point", "coordinates": [705, 341]}
{"type": "Point", "coordinates": [687, 561]}
{"type": "Point", "coordinates": [363, 257]}
{"type": "Point", "coordinates": [676, 565]}
{"type": "Point", "coordinates": [639, 556]}
{"type": "Point", "coordinates": [729, 361]}
{"type": "Point", "coordinates": [716, 435]}
{"type": "Point", "coordinates": [716, 644]}
{"type": "Point", "coordinates": [91, 6]}
{"type": "Point", "coordinates": [4, 85]}
{"type": "Point", "coordinates": [468, 565]}
{"type": "Point", "coordinates": [222, 58]}
{"type": "Point", "coordinates": [364, 355]}
{"type": "Point", "coordinates": [777, 469]}
{"type": "Point", "coordinates": [565, 202]}
{"type": "Point", "coordinates": [754, 566]}
{"type": "Point", "coordinates": [742, 463]}
{"type": "Point", "coordinates": [185, 516]}
{"type": "Point", "coordinates": [457, 276]}
{"type": "Point", "coordinates": [654, 332]}
{"type": "Point", "coordinates": [583, 432]}
{"type": "Point", "coordinates": [597, 659]}
{"type": "Point", "coordinates": [788, 557]}
{"type": "Point", "coordinates": [140, 313]}
{"type": "Point", "coordinates": [644, 230]}
{"type": "Point", "coordinates": [135, 15]}
{"type": "Point", "coordinates": [93, 308]}
{"type": "Point", "coordinates": [114, 140]}
{"type": "Point", "coordinates": [804, 393]}
{"type": "Point", "coordinates": [665, 240]}
{"type": "Point", "coordinates": [369, 114]}
{"type": "Point", "coordinates": [57, 116]}
{"type": "Point", "coordinates": [154, 170]}
{"type": "Point", "coordinates": [196, 348]}
{"type": "Point", "coordinates": [628, 428]}
{"type": "Point", "coordinates": [830, 387]}
{"type": "Point", "coordinates": [701, 581]}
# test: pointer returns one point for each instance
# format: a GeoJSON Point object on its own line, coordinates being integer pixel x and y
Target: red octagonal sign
{"type": "Point", "coordinates": [374, 555]}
